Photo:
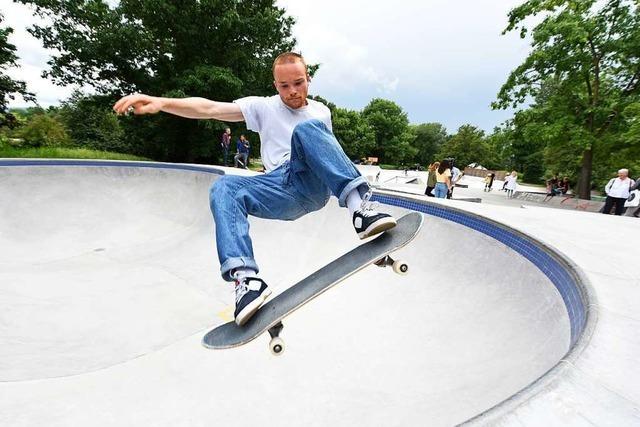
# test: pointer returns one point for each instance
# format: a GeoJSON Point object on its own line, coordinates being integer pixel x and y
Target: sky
{"type": "Point", "coordinates": [440, 60]}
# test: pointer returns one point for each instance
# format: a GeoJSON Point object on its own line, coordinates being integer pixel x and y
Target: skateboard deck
{"type": "Point", "coordinates": [270, 315]}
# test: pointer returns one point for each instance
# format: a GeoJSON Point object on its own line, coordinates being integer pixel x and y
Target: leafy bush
{"type": "Point", "coordinates": [43, 130]}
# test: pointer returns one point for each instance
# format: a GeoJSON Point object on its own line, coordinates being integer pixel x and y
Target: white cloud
{"type": "Point", "coordinates": [440, 60]}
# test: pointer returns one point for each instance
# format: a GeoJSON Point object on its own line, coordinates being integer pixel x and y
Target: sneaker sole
{"type": "Point", "coordinates": [251, 308]}
{"type": "Point", "coordinates": [378, 227]}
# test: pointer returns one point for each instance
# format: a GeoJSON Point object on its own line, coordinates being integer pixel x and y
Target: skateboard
{"type": "Point", "coordinates": [269, 317]}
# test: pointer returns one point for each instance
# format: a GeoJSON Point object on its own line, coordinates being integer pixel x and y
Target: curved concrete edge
{"type": "Point", "coordinates": [582, 284]}
{"type": "Point", "coordinates": [118, 163]}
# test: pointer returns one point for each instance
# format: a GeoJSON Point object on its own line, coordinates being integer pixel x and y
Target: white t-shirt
{"type": "Point", "coordinates": [274, 121]}
{"type": "Point", "coordinates": [455, 173]}
{"type": "Point", "coordinates": [618, 188]}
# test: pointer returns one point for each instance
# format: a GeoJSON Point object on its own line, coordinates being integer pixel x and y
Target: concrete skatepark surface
{"type": "Point", "coordinates": [109, 278]}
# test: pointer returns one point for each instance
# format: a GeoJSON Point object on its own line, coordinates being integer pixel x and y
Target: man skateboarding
{"type": "Point", "coordinates": [304, 165]}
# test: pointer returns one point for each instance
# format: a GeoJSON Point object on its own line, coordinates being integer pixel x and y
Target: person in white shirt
{"type": "Point", "coordinates": [617, 190]}
{"type": "Point", "coordinates": [511, 183]}
{"type": "Point", "coordinates": [303, 160]}
{"type": "Point", "coordinates": [455, 177]}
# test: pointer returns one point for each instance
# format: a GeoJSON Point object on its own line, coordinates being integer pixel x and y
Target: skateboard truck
{"type": "Point", "coordinates": [398, 266]}
{"type": "Point", "coordinates": [276, 345]}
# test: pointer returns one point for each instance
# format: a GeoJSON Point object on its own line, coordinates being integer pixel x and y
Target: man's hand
{"type": "Point", "coordinates": [138, 104]}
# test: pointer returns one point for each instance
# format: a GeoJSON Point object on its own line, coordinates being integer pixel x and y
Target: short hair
{"type": "Point", "coordinates": [288, 58]}
{"type": "Point", "coordinates": [624, 171]}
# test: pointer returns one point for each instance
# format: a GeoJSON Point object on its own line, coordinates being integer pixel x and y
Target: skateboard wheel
{"type": "Point", "coordinates": [400, 267]}
{"type": "Point", "coordinates": [276, 345]}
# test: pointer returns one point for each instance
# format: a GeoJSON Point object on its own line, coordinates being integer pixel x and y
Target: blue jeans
{"type": "Point", "coordinates": [316, 169]}
{"type": "Point", "coordinates": [441, 190]}
{"type": "Point", "coordinates": [242, 157]}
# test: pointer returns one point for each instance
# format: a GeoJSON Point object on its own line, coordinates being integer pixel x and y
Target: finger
{"type": "Point", "coordinates": [117, 105]}
{"type": "Point", "coordinates": [124, 103]}
{"type": "Point", "coordinates": [121, 106]}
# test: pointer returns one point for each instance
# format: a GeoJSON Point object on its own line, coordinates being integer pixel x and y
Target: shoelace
{"type": "Point", "coordinates": [245, 286]}
{"type": "Point", "coordinates": [367, 207]}
{"type": "Point", "coordinates": [241, 289]}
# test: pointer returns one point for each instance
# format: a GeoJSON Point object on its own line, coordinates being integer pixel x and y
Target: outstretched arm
{"type": "Point", "coordinates": [192, 108]}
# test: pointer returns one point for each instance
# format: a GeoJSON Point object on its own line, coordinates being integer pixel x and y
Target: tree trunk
{"type": "Point", "coordinates": [584, 184]}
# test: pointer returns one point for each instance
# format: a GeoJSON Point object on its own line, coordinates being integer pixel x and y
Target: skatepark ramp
{"type": "Point", "coordinates": [109, 279]}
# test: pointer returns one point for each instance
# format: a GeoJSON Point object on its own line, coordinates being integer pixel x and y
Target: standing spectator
{"type": "Point", "coordinates": [617, 190]}
{"type": "Point", "coordinates": [443, 180]}
{"type": "Point", "coordinates": [225, 143]}
{"type": "Point", "coordinates": [242, 155]}
{"type": "Point", "coordinates": [488, 181]}
{"type": "Point", "coordinates": [431, 178]}
{"type": "Point", "coordinates": [510, 183]}
{"type": "Point", "coordinates": [455, 176]}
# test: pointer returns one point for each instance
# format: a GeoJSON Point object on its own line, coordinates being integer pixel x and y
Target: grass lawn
{"type": "Point", "coordinates": [63, 153]}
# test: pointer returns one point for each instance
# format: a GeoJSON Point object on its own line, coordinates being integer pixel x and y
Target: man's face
{"type": "Point", "coordinates": [622, 175]}
{"type": "Point", "coordinates": [292, 83]}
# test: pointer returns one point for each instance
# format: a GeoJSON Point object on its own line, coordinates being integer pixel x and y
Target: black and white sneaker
{"type": "Point", "coordinates": [251, 292]}
{"type": "Point", "coordinates": [368, 221]}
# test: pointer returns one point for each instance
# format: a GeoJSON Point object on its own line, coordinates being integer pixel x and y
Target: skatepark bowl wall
{"type": "Point", "coordinates": [109, 278]}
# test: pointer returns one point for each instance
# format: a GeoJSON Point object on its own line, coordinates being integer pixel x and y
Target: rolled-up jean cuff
{"type": "Point", "coordinates": [237, 262]}
{"type": "Point", "coordinates": [360, 183]}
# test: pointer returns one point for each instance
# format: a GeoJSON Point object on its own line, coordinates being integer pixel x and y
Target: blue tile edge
{"type": "Point", "coordinates": [563, 275]}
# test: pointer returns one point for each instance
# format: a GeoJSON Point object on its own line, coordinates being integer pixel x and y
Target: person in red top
{"type": "Point", "coordinates": [225, 143]}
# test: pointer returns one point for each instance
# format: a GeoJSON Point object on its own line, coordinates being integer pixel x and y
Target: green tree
{"type": "Point", "coordinates": [428, 140]}
{"type": "Point", "coordinates": [92, 124]}
{"type": "Point", "coordinates": [217, 49]}
{"type": "Point", "coordinates": [467, 146]}
{"type": "Point", "coordinates": [9, 87]}
{"type": "Point", "coordinates": [353, 132]}
{"type": "Point", "coordinates": [501, 147]}
{"type": "Point", "coordinates": [590, 50]}
{"type": "Point", "coordinates": [393, 136]}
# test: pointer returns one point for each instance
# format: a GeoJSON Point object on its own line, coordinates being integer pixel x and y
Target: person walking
{"type": "Point", "coordinates": [431, 178]}
{"type": "Point", "coordinates": [304, 162]}
{"type": "Point", "coordinates": [617, 190]}
{"type": "Point", "coordinates": [488, 181]}
{"type": "Point", "coordinates": [443, 180]}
